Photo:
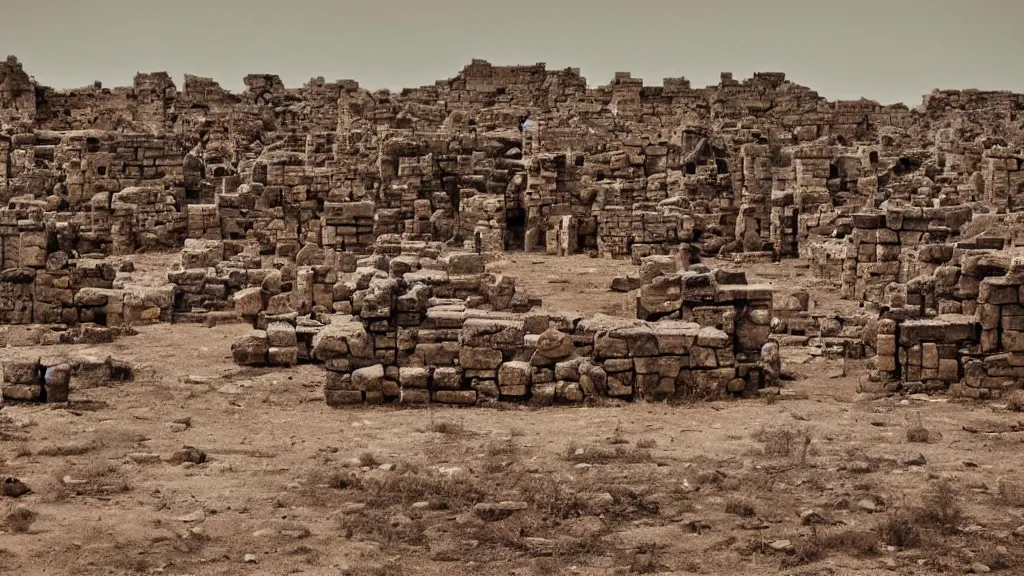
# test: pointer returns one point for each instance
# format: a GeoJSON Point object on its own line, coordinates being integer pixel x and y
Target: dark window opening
{"type": "Point", "coordinates": [579, 160]}
{"type": "Point", "coordinates": [515, 233]}
{"type": "Point", "coordinates": [92, 145]}
{"type": "Point", "coordinates": [905, 166]}
{"type": "Point", "coordinates": [841, 140]}
{"type": "Point", "coordinates": [873, 157]}
{"type": "Point", "coordinates": [219, 172]}
{"type": "Point", "coordinates": [101, 171]}
{"type": "Point", "coordinates": [193, 196]}
{"type": "Point", "coordinates": [833, 171]}
{"type": "Point", "coordinates": [722, 165]}
{"type": "Point", "coordinates": [259, 173]}
{"type": "Point", "coordinates": [691, 168]}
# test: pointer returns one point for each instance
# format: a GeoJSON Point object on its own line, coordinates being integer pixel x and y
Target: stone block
{"type": "Point", "coordinates": [369, 379]}
{"type": "Point", "coordinates": [949, 370]}
{"type": "Point", "coordinates": [281, 335]}
{"type": "Point", "coordinates": [57, 382]}
{"type": "Point", "coordinates": [479, 358]}
{"type": "Point", "coordinates": [463, 397]}
{"type": "Point", "coordinates": [337, 398]}
{"type": "Point", "coordinates": [418, 378]}
{"type": "Point", "coordinates": [513, 375]}
{"type": "Point", "coordinates": [447, 378]}
{"type": "Point", "coordinates": [251, 349]}
{"type": "Point", "coordinates": [283, 356]}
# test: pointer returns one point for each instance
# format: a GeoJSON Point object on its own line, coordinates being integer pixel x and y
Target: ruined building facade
{"type": "Point", "coordinates": [354, 203]}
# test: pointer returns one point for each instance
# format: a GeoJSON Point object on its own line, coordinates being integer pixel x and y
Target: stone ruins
{"type": "Point", "coordinates": [352, 229]}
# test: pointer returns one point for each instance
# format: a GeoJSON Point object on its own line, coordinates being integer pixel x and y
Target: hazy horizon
{"type": "Point", "coordinates": [885, 50]}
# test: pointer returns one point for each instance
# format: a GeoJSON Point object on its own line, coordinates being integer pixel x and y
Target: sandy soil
{"type": "Point", "coordinates": [816, 481]}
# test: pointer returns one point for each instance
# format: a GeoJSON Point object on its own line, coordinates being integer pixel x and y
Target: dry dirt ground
{"type": "Point", "coordinates": [817, 481]}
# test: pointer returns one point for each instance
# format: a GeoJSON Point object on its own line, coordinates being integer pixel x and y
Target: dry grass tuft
{"type": "Point", "coordinates": [20, 520]}
{"type": "Point", "coordinates": [740, 507]}
{"type": "Point", "coordinates": [785, 442]}
{"type": "Point", "coordinates": [1011, 493]}
{"type": "Point", "coordinates": [918, 434]}
{"type": "Point", "coordinates": [647, 558]}
{"type": "Point", "coordinates": [900, 529]}
{"type": "Point", "coordinates": [595, 455]}
{"type": "Point", "coordinates": [940, 509]}
{"type": "Point", "coordinates": [448, 428]}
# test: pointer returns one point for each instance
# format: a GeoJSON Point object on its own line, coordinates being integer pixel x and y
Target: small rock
{"type": "Point", "coordinates": [918, 460]}
{"type": "Point", "coordinates": [387, 467]}
{"type": "Point", "coordinates": [867, 505]}
{"type": "Point", "coordinates": [144, 457]}
{"type": "Point", "coordinates": [979, 568]}
{"type": "Point", "coordinates": [499, 511]}
{"type": "Point", "coordinates": [858, 467]}
{"type": "Point", "coordinates": [422, 505]}
{"type": "Point", "coordinates": [187, 454]}
{"type": "Point", "coordinates": [811, 517]}
{"type": "Point", "coordinates": [14, 488]}
{"type": "Point", "coordinates": [781, 545]}
{"type": "Point", "coordinates": [69, 481]}
{"type": "Point", "coordinates": [1019, 532]}
{"type": "Point", "coordinates": [250, 558]}
{"type": "Point", "coordinates": [197, 516]}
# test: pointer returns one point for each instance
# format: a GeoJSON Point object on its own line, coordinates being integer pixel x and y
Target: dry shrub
{"type": "Point", "coordinates": [549, 497]}
{"type": "Point", "coordinates": [918, 434]}
{"type": "Point", "coordinates": [368, 460]}
{"type": "Point", "coordinates": [96, 481]}
{"type": "Point", "coordinates": [377, 524]}
{"type": "Point", "coordinates": [849, 541]}
{"type": "Point", "coordinates": [342, 481]}
{"type": "Point", "coordinates": [448, 428]}
{"type": "Point", "coordinates": [594, 455]}
{"type": "Point", "coordinates": [646, 443]}
{"type": "Point", "coordinates": [940, 509]}
{"type": "Point", "coordinates": [498, 448]}
{"type": "Point", "coordinates": [20, 520]}
{"type": "Point", "coordinates": [740, 507]}
{"type": "Point", "coordinates": [1011, 493]}
{"type": "Point", "coordinates": [644, 559]}
{"type": "Point", "coordinates": [900, 529]}
{"type": "Point", "coordinates": [428, 486]}
{"type": "Point", "coordinates": [784, 441]}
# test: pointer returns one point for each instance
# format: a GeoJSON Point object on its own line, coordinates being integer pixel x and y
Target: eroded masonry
{"type": "Point", "coordinates": [352, 229]}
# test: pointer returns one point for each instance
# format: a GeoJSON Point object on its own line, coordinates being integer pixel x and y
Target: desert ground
{"type": "Point", "coordinates": [198, 466]}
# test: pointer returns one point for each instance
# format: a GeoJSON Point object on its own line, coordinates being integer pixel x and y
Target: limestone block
{"type": "Point", "coordinates": [281, 335]}
{"type": "Point", "coordinates": [251, 349]}
{"type": "Point", "coordinates": [414, 378]}
{"type": "Point", "coordinates": [513, 375]}
{"type": "Point", "coordinates": [369, 379]}
{"type": "Point", "coordinates": [479, 358]}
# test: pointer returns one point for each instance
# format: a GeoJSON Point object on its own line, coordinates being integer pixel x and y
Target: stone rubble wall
{"type": "Point", "coordinates": [414, 325]}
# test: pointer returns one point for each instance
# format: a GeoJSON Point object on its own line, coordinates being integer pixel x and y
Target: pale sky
{"type": "Point", "coordinates": [885, 50]}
